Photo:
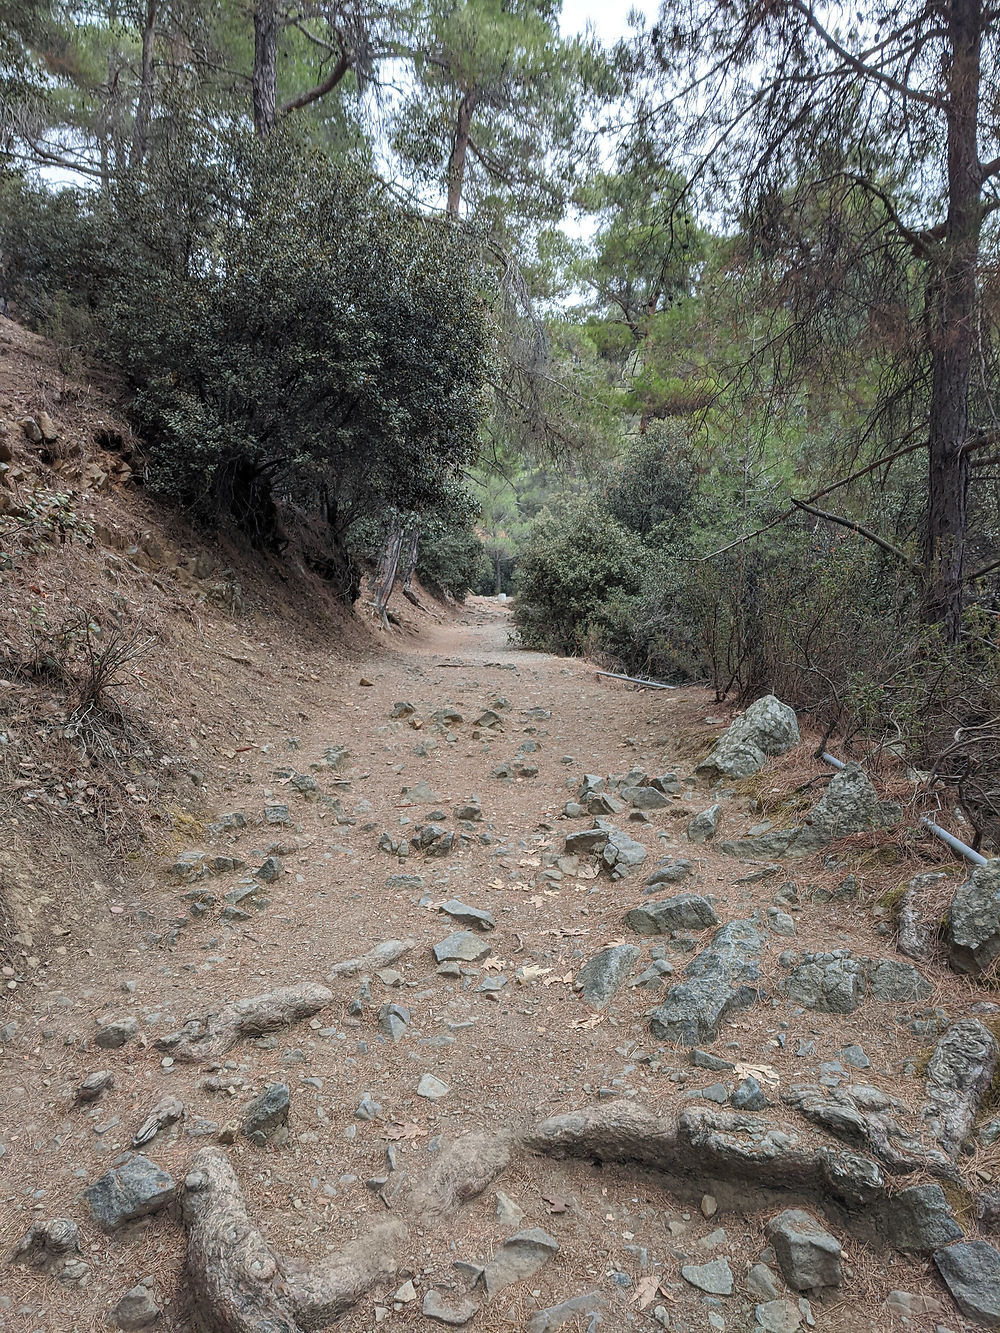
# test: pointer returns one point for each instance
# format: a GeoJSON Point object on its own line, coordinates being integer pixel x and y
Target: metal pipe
{"type": "Point", "coordinates": [951, 841]}
{"type": "Point", "coordinates": [634, 680]}
{"type": "Point", "coordinates": [947, 838]}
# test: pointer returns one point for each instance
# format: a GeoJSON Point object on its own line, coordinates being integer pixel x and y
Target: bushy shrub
{"type": "Point", "coordinates": [576, 558]}
{"type": "Point", "coordinates": [453, 560]}
{"type": "Point", "coordinates": [294, 339]}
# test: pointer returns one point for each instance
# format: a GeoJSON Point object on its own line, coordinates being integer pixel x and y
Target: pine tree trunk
{"type": "Point", "coordinates": [953, 316]}
{"type": "Point", "coordinates": [144, 107]}
{"type": "Point", "coordinates": [265, 67]}
{"type": "Point", "coordinates": [460, 151]}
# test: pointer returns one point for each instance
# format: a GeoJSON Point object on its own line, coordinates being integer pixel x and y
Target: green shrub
{"type": "Point", "coordinates": [453, 560]}
{"type": "Point", "coordinates": [576, 558]}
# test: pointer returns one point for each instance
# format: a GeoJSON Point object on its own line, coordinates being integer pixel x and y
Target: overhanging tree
{"type": "Point", "coordinates": [862, 146]}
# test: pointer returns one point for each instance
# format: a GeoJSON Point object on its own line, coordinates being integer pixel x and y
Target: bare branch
{"type": "Point", "coordinates": [859, 66]}
{"type": "Point", "coordinates": [888, 547]}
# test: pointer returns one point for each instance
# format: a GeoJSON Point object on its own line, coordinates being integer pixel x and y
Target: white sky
{"type": "Point", "coordinates": [609, 18]}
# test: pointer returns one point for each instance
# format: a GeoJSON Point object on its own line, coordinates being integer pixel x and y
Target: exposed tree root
{"type": "Point", "coordinates": [462, 1171]}
{"type": "Point", "coordinates": [383, 954]}
{"type": "Point", "coordinates": [212, 1036]}
{"type": "Point", "coordinates": [240, 1286]}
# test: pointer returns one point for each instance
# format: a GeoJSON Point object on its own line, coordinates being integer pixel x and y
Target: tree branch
{"type": "Point", "coordinates": [888, 547]}
{"type": "Point", "coordinates": [859, 66]}
{"type": "Point", "coordinates": [321, 89]}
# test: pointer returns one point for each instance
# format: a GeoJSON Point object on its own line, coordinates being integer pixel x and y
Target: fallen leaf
{"type": "Point", "coordinates": [567, 980]}
{"type": "Point", "coordinates": [532, 972]}
{"type": "Point", "coordinates": [645, 1291]}
{"type": "Point", "coordinates": [406, 1131]}
{"type": "Point", "coordinates": [536, 900]}
{"type": "Point", "coordinates": [494, 965]}
{"type": "Point", "coordinates": [556, 1203]}
{"type": "Point", "coordinates": [762, 1073]}
{"type": "Point", "coordinates": [589, 1022]}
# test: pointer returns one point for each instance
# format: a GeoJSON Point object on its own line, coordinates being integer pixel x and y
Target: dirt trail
{"type": "Point", "coordinates": [507, 1056]}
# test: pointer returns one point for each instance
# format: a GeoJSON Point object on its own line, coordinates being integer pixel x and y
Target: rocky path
{"type": "Point", "coordinates": [456, 973]}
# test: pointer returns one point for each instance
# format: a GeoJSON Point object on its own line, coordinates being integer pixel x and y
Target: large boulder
{"type": "Point", "coordinates": [134, 1189]}
{"type": "Point", "coordinates": [959, 1074]}
{"type": "Point", "coordinates": [973, 926]}
{"type": "Point", "coordinates": [768, 727]}
{"type": "Point", "coordinates": [604, 974]}
{"type": "Point", "coordinates": [921, 1220]}
{"type": "Point", "coordinates": [808, 1256]}
{"type": "Point", "coordinates": [686, 911]}
{"type": "Point", "coordinates": [850, 804]}
{"type": "Point", "coordinates": [722, 978]}
{"type": "Point", "coordinates": [971, 1272]}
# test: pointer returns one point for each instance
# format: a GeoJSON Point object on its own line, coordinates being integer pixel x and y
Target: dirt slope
{"type": "Point", "coordinates": [531, 1050]}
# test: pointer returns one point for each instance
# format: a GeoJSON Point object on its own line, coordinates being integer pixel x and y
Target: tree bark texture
{"type": "Point", "coordinates": [460, 151]}
{"type": "Point", "coordinates": [265, 67]}
{"type": "Point", "coordinates": [144, 108]}
{"type": "Point", "coordinates": [953, 300]}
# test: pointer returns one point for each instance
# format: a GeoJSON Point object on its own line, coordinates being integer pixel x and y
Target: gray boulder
{"type": "Point", "coordinates": [971, 1272]}
{"type": "Point", "coordinates": [671, 872]}
{"type": "Point", "coordinates": [850, 804]}
{"type": "Point", "coordinates": [687, 911]}
{"type": "Point", "coordinates": [518, 1258]}
{"type": "Point", "coordinates": [807, 1254]}
{"type": "Point", "coordinates": [958, 1076]}
{"type": "Point", "coordinates": [116, 1033]}
{"type": "Point", "coordinates": [973, 927]}
{"type": "Point", "coordinates": [702, 828]}
{"type": "Point", "coordinates": [645, 798]}
{"type": "Point", "coordinates": [605, 973]}
{"type": "Point", "coordinates": [462, 947]}
{"type": "Point", "coordinates": [584, 1311]}
{"type": "Point", "coordinates": [827, 983]}
{"type": "Point", "coordinates": [620, 852]}
{"type": "Point", "coordinates": [897, 983]}
{"type": "Point", "coordinates": [715, 1277]}
{"type": "Point", "coordinates": [720, 980]}
{"type": "Point", "coordinates": [454, 1313]}
{"type": "Point", "coordinates": [134, 1189]}
{"type": "Point", "coordinates": [588, 840]}
{"type": "Point", "coordinates": [266, 1113]}
{"type": "Point", "coordinates": [768, 727]}
{"type": "Point", "coordinates": [920, 1220]}
{"type": "Point", "coordinates": [135, 1311]}
{"type": "Point", "coordinates": [468, 916]}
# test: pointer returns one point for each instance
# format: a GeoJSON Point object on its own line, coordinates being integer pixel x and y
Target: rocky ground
{"type": "Point", "coordinates": [486, 983]}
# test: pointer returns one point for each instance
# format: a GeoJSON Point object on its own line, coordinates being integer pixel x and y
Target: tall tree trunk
{"type": "Point", "coordinates": [144, 107]}
{"type": "Point", "coordinates": [460, 151]}
{"type": "Point", "coordinates": [265, 67]}
{"type": "Point", "coordinates": [953, 317]}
